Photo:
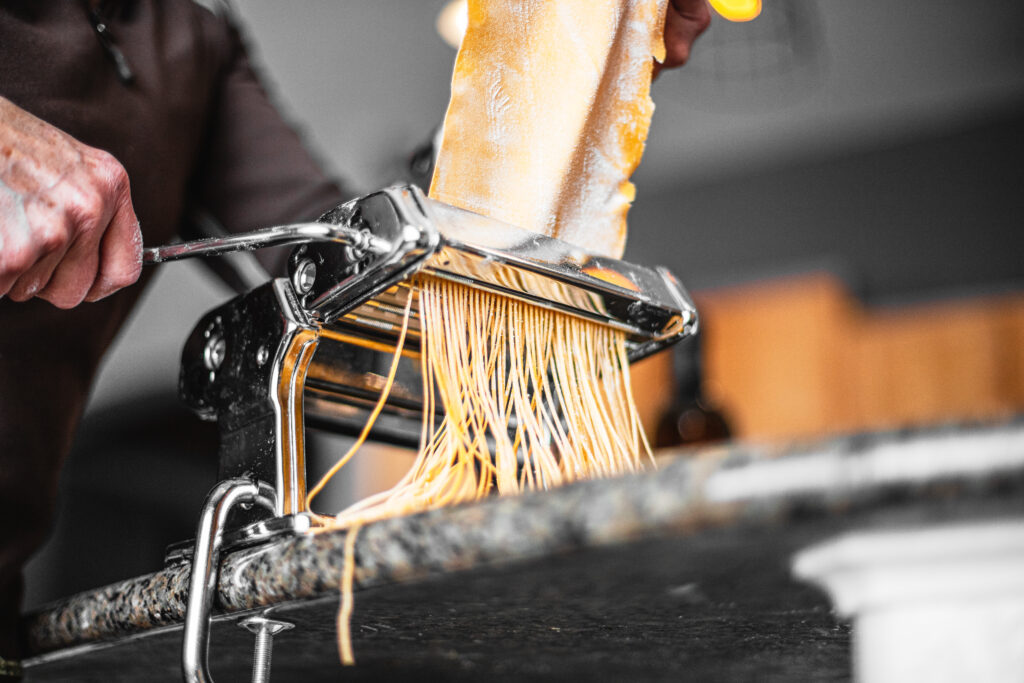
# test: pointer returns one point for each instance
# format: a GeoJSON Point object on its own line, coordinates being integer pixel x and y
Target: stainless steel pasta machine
{"type": "Point", "coordinates": [311, 348]}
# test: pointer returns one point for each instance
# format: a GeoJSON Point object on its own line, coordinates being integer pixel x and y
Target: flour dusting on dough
{"type": "Point", "coordinates": [549, 113]}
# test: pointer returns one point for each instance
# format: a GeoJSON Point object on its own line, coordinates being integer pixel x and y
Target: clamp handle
{"type": "Point", "coordinates": [205, 565]}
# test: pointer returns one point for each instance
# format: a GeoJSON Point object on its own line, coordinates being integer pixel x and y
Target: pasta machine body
{"type": "Point", "coordinates": [310, 349]}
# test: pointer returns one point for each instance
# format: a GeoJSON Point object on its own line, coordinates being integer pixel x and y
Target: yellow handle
{"type": "Point", "coordinates": [737, 10]}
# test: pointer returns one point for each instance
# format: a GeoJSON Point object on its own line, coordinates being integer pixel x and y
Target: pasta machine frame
{"type": "Point", "coordinates": [311, 348]}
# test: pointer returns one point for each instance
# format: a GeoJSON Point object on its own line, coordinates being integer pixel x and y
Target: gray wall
{"type": "Point", "coordinates": [933, 216]}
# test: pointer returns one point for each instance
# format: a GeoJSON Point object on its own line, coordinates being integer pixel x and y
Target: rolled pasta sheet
{"type": "Point", "coordinates": [549, 113]}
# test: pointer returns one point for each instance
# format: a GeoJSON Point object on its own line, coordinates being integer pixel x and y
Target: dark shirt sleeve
{"type": "Point", "coordinates": [255, 170]}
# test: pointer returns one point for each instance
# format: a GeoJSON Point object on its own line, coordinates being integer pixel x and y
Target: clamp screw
{"type": "Point", "coordinates": [305, 276]}
{"type": "Point", "coordinates": [265, 630]}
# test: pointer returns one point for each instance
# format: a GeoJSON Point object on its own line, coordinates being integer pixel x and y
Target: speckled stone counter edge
{"type": "Point", "coordinates": [708, 489]}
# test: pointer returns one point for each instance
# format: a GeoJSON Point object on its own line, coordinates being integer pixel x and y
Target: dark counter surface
{"type": "Point", "coordinates": [682, 570]}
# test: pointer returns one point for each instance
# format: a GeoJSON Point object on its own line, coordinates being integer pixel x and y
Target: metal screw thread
{"type": "Point", "coordinates": [261, 656]}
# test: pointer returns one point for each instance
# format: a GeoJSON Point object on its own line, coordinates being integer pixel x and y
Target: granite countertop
{"type": "Point", "coordinates": [683, 568]}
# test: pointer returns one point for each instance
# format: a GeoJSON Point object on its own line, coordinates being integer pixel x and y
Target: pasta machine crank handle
{"type": "Point", "coordinates": [360, 241]}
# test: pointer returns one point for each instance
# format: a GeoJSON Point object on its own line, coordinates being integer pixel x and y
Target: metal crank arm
{"type": "Point", "coordinates": [359, 241]}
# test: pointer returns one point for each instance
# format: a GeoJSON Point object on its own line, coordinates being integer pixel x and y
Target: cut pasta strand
{"type": "Point", "coordinates": [365, 433]}
{"type": "Point", "coordinates": [347, 602]}
{"type": "Point", "coordinates": [530, 399]}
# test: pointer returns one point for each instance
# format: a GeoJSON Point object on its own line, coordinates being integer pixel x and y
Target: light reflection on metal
{"type": "Point", "coordinates": [290, 381]}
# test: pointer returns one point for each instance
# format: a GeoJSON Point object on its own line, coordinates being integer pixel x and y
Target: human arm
{"type": "Point", "coordinates": [68, 232]}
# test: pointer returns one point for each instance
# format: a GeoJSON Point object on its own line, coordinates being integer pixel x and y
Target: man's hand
{"type": "Point", "coordinates": [686, 20]}
{"type": "Point", "coordinates": [68, 232]}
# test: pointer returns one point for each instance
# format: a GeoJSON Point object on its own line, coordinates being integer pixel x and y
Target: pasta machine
{"type": "Point", "coordinates": [311, 348]}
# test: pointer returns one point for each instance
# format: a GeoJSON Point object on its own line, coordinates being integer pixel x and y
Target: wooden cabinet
{"type": "Point", "coordinates": [802, 357]}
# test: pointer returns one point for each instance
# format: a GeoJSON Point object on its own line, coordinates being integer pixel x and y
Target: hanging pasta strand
{"type": "Point", "coordinates": [530, 399]}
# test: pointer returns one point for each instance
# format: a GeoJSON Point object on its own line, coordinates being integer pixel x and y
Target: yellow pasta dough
{"type": "Point", "coordinates": [549, 113]}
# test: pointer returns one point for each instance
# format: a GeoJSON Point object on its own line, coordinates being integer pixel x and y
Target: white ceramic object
{"type": "Point", "coordinates": [937, 604]}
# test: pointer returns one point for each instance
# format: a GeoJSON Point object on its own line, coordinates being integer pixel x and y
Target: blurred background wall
{"type": "Point", "coordinates": [839, 184]}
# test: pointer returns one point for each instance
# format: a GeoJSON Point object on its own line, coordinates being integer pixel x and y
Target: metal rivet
{"type": "Point", "coordinates": [214, 352]}
{"type": "Point", "coordinates": [305, 276]}
{"type": "Point", "coordinates": [262, 354]}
